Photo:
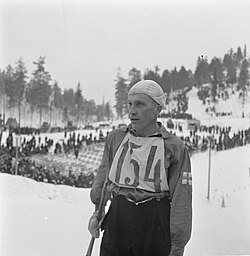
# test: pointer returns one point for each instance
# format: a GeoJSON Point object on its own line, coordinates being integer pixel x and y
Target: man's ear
{"type": "Point", "coordinates": [158, 109]}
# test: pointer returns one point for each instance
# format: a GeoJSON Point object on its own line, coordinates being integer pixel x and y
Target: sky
{"type": "Point", "coordinates": [86, 41]}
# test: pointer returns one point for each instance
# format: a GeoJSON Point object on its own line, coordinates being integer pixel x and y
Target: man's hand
{"type": "Point", "coordinates": [176, 251]}
{"type": "Point", "coordinates": [94, 225]}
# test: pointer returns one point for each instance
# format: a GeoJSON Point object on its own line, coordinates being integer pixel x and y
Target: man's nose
{"type": "Point", "coordinates": [132, 110]}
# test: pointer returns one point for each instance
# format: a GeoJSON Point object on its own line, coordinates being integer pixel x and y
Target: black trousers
{"type": "Point", "coordinates": [136, 230]}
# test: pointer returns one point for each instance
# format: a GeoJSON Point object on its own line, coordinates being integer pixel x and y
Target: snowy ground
{"type": "Point", "coordinates": [39, 219]}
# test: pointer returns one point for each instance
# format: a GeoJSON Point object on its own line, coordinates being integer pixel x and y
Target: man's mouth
{"type": "Point", "coordinates": [133, 119]}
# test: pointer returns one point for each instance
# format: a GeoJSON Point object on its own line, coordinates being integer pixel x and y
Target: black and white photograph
{"type": "Point", "coordinates": [124, 127]}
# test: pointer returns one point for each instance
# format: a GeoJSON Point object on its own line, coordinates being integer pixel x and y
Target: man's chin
{"type": "Point", "coordinates": [135, 126]}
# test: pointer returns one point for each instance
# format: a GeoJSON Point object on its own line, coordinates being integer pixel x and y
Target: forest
{"type": "Point", "coordinates": [43, 94]}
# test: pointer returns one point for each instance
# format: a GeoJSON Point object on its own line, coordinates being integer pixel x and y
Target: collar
{"type": "Point", "coordinates": [161, 131]}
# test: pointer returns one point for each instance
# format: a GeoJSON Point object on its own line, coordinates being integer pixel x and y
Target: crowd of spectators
{"type": "Point", "coordinates": [29, 168]}
{"type": "Point", "coordinates": [176, 115]}
{"type": "Point", "coordinates": [198, 140]}
{"type": "Point", "coordinates": [76, 142]}
{"type": "Point", "coordinates": [219, 138]}
{"type": "Point", "coordinates": [26, 130]}
{"type": "Point", "coordinates": [28, 147]}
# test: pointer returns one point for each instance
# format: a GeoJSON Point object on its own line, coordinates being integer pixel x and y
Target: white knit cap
{"type": "Point", "coordinates": [151, 89]}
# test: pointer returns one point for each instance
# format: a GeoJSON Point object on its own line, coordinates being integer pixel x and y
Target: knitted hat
{"type": "Point", "coordinates": [151, 89]}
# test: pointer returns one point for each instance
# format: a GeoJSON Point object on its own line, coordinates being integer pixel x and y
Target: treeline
{"type": "Point", "coordinates": [43, 94]}
{"type": "Point", "coordinates": [231, 70]}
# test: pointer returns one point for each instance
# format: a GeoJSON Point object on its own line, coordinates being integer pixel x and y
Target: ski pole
{"type": "Point", "coordinates": [99, 216]}
{"type": "Point", "coordinates": [91, 245]}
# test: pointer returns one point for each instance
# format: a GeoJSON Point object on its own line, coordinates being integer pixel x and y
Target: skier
{"type": "Point", "coordinates": [149, 183]}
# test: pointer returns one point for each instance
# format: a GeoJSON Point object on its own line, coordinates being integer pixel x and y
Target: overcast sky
{"type": "Point", "coordinates": [85, 41]}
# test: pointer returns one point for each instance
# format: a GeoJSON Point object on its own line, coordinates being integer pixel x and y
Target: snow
{"type": "Point", "coordinates": [221, 230]}
{"type": "Point", "coordinates": [39, 219]}
{"type": "Point", "coordinates": [44, 219]}
{"type": "Point", "coordinates": [233, 104]}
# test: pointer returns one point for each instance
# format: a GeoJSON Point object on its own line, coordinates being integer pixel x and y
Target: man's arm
{"type": "Point", "coordinates": [96, 190]}
{"type": "Point", "coordinates": [181, 207]}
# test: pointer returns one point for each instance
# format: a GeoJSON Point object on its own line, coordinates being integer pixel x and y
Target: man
{"type": "Point", "coordinates": [149, 183]}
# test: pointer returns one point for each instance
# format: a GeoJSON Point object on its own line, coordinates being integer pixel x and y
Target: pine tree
{"type": "Point", "coordinates": [243, 75]}
{"type": "Point", "coordinates": [99, 113]}
{"type": "Point", "coordinates": [40, 89]}
{"type": "Point", "coordinates": [65, 115]}
{"type": "Point", "coordinates": [166, 81]}
{"type": "Point", "coordinates": [243, 81]}
{"type": "Point", "coordinates": [20, 86]}
{"type": "Point", "coordinates": [134, 77]}
{"type": "Point", "coordinates": [2, 96]}
{"type": "Point", "coordinates": [108, 111]}
{"type": "Point", "coordinates": [78, 102]}
{"type": "Point", "coordinates": [174, 79]}
{"type": "Point", "coordinates": [121, 90]}
{"type": "Point", "coordinates": [201, 75]}
{"type": "Point", "coordinates": [216, 75]}
{"type": "Point", "coordinates": [2, 84]}
{"type": "Point", "coordinates": [230, 69]}
{"type": "Point", "coordinates": [153, 75]}
{"type": "Point", "coordinates": [9, 82]}
{"type": "Point", "coordinates": [68, 99]}
{"type": "Point", "coordinates": [183, 78]}
{"type": "Point", "coordinates": [57, 96]}
{"type": "Point", "coordinates": [239, 56]}
{"type": "Point", "coordinates": [245, 52]}
{"type": "Point", "coordinates": [89, 108]}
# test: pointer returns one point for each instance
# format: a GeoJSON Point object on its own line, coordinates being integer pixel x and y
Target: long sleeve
{"type": "Point", "coordinates": [181, 206]}
{"type": "Point", "coordinates": [96, 190]}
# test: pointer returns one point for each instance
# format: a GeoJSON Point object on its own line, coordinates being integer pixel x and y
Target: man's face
{"type": "Point", "coordinates": [143, 112]}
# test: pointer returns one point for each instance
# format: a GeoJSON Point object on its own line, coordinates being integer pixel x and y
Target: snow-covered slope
{"type": "Point", "coordinates": [233, 105]}
{"type": "Point", "coordinates": [39, 219]}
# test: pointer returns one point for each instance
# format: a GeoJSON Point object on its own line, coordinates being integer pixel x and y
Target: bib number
{"type": "Point", "coordinates": [136, 168]}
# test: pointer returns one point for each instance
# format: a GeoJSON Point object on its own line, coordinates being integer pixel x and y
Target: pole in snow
{"type": "Point", "coordinates": [209, 169]}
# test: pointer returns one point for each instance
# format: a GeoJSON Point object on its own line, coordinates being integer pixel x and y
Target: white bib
{"type": "Point", "coordinates": [139, 163]}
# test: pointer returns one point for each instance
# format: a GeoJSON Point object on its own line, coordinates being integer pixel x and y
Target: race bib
{"type": "Point", "coordinates": [139, 163]}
